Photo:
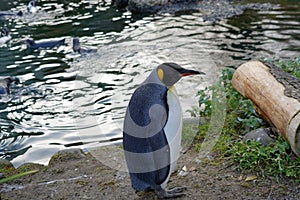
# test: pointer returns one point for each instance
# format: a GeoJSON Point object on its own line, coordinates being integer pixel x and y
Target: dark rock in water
{"type": "Point", "coordinates": [226, 9]}
{"type": "Point", "coordinates": [136, 6]}
{"type": "Point", "coordinates": [259, 135]}
{"type": "Point", "coordinates": [151, 6]}
{"type": "Point", "coordinates": [120, 3]}
{"type": "Point", "coordinates": [44, 45]}
{"type": "Point", "coordinates": [213, 10]}
{"type": "Point", "coordinates": [66, 155]}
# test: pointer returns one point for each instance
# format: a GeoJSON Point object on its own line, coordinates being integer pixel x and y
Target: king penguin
{"type": "Point", "coordinates": [82, 50]}
{"type": "Point", "coordinates": [4, 36]}
{"type": "Point", "coordinates": [31, 44]}
{"type": "Point", "coordinates": [31, 8]}
{"type": "Point", "coordinates": [152, 131]}
{"type": "Point", "coordinates": [5, 84]}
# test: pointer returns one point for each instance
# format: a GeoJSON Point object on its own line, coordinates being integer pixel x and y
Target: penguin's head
{"type": "Point", "coordinates": [5, 84]}
{"type": "Point", "coordinates": [4, 32]}
{"type": "Point", "coordinates": [10, 80]}
{"type": "Point", "coordinates": [20, 13]}
{"type": "Point", "coordinates": [31, 7]}
{"type": "Point", "coordinates": [76, 45]}
{"type": "Point", "coordinates": [170, 73]}
{"type": "Point", "coordinates": [29, 42]}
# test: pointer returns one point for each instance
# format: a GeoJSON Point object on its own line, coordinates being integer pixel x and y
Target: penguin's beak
{"type": "Point", "coordinates": [188, 72]}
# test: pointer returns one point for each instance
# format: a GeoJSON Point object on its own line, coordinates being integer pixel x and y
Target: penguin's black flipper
{"type": "Point", "coordinates": [172, 193]}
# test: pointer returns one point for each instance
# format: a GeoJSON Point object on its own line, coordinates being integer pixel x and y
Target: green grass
{"type": "Point", "coordinates": [277, 159]}
{"type": "Point", "coordinates": [12, 174]}
{"type": "Point", "coordinates": [16, 176]}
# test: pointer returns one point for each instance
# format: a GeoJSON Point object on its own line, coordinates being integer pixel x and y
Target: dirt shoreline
{"type": "Point", "coordinates": [74, 174]}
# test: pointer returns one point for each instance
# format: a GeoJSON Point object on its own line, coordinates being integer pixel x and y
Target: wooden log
{"type": "Point", "coordinates": [276, 96]}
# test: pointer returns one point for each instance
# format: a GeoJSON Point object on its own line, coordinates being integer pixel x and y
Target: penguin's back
{"type": "Point", "coordinates": [47, 44]}
{"type": "Point", "coordinates": [143, 99]}
{"type": "Point", "coordinates": [144, 141]}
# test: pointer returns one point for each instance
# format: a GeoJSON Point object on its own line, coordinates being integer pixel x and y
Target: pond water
{"type": "Point", "coordinates": [67, 100]}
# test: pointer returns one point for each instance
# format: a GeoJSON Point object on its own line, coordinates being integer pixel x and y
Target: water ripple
{"type": "Point", "coordinates": [67, 100]}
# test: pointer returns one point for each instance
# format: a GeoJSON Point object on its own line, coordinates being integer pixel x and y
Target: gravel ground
{"type": "Point", "coordinates": [72, 174]}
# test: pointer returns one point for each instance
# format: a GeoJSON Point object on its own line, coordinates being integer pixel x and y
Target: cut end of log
{"type": "Point", "coordinates": [294, 134]}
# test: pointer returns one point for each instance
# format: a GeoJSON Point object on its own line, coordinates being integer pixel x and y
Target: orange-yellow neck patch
{"type": "Point", "coordinates": [160, 74]}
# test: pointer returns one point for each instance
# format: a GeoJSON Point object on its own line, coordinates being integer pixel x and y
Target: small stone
{"type": "Point", "coordinates": [259, 135]}
{"type": "Point", "coordinates": [192, 169]}
{"type": "Point", "coordinates": [121, 175]}
{"type": "Point", "coordinates": [251, 178]}
{"type": "Point", "coordinates": [240, 178]}
{"type": "Point", "coordinates": [183, 173]}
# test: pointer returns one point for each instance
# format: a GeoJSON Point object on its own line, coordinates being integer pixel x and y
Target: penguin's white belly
{"type": "Point", "coordinates": [173, 129]}
{"type": "Point", "coordinates": [4, 39]}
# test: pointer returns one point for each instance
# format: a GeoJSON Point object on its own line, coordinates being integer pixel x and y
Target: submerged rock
{"type": "Point", "coordinates": [213, 10]}
{"type": "Point", "coordinates": [153, 6]}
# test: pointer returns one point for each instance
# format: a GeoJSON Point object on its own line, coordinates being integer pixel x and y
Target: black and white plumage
{"type": "Point", "coordinates": [31, 44]}
{"type": "Point", "coordinates": [6, 14]}
{"type": "Point", "coordinates": [31, 7]}
{"type": "Point", "coordinates": [152, 130]}
{"type": "Point", "coordinates": [82, 50]}
{"type": "Point", "coordinates": [5, 84]}
{"type": "Point", "coordinates": [4, 36]}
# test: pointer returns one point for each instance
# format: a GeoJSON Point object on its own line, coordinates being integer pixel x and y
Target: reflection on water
{"type": "Point", "coordinates": [66, 100]}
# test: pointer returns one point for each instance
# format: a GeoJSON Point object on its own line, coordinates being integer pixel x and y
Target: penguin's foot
{"type": "Point", "coordinates": [172, 193]}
